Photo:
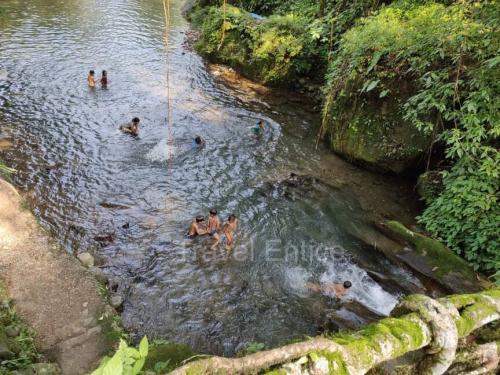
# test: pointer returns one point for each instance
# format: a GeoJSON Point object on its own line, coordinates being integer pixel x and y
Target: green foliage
{"type": "Point", "coordinates": [165, 356]}
{"type": "Point", "coordinates": [276, 50]}
{"type": "Point", "coordinates": [4, 170]}
{"type": "Point", "coordinates": [126, 360]}
{"type": "Point", "coordinates": [443, 62]}
{"type": "Point", "coordinates": [22, 344]}
{"type": "Point", "coordinates": [293, 42]}
{"type": "Point", "coordinates": [252, 347]}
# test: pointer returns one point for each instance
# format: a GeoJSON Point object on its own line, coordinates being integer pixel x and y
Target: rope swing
{"type": "Point", "coordinates": [223, 36]}
{"type": "Point", "coordinates": [167, 14]}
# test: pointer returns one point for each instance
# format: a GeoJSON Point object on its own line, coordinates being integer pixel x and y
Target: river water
{"type": "Point", "coordinates": [73, 162]}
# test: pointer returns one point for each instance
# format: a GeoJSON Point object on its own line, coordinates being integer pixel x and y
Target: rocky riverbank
{"type": "Point", "coordinates": [51, 293]}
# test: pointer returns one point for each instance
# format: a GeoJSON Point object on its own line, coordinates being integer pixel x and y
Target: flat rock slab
{"type": "Point", "coordinates": [52, 292]}
{"type": "Point", "coordinates": [434, 260]}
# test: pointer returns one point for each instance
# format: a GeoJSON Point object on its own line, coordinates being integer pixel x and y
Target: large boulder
{"type": "Point", "coordinates": [371, 131]}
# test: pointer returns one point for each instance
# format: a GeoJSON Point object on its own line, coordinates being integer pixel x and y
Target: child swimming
{"type": "Point", "coordinates": [133, 128]}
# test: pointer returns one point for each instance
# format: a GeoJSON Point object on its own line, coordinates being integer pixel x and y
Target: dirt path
{"type": "Point", "coordinates": [52, 292]}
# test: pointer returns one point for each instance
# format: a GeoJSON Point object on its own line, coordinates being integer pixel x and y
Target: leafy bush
{"type": "Point", "coordinates": [126, 360]}
{"type": "Point", "coordinates": [275, 51]}
{"type": "Point", "coordinates": [293, 42]}
{"type": "Point", "coordinates": [449, 54]}
{"type": "Point", "coordinates": [22, 345]}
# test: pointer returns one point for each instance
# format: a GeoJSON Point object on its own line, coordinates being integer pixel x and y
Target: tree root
{"type": "Point", "coordinates": [420, 322]}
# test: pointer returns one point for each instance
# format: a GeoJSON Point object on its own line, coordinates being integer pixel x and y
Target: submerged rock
{"type": "Point", "coordinates": [86, 259]}
{"type": "Point", "coordinates": [434, 260]}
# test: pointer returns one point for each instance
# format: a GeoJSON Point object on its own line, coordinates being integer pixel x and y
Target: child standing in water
{"type": "Point", "coordinates": [91, 79]}
{"type": "Point", "coordinates": [104, 79]}
{"type": "Point", "coordinates": [213, 227]}
{"type": "Point", "coordinates": [229, 228]}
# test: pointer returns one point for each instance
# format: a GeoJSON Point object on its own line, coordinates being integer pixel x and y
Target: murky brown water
{"type": "Point", "coordinates": [71, 158]}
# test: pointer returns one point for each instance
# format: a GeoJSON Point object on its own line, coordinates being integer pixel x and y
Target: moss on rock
{"type": "Point", "coordinates": [371, 131]}
{"type": "Point", "coordinates": [433, 259]}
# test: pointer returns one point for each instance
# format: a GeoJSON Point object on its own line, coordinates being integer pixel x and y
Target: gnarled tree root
{"type": "Point", "coordinates": [421, 322]}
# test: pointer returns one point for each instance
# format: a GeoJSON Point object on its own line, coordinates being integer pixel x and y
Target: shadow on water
{"type": "Point", "coordinates": [130, 200]}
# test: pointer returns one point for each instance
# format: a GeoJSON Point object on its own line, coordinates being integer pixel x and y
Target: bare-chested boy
{"type": "Point", "coordinates": [330, 288]}
{"type": "Point", "coordinates": [228, 229]}
{"type": "Point", "coordinates": [132, 128]}
{"type": "Point", "coordinates": [214, 227]}
{"type": "Point", "coordinates": [91, 79]}
{"type": "Point", "coordinates": [197, 227]}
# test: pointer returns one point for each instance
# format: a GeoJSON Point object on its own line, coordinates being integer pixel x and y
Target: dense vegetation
{"type": "Point", "coordinates": [409, 83]}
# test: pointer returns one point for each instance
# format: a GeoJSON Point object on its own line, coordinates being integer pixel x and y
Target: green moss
{"type": "Point", "coordinates": [472, 315]}
{"type": "Point", "coordinates": [111, 328]}
{"type": "Point", "coordinates": [441, 259]}
{"type": "Point", "coordinates": [371, 132]}
{"type": "Point", "coordinates": [335, 361]}
{"type": "Point", "coordinates": [403, 335]}
{"type": "Point", "coordinates": [167, 352]}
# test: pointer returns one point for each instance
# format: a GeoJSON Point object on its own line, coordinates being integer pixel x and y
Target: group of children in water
{"type": "Point", "coordinates": [92, 81]}
{"type": "Point", "coordinates": [213, 227]}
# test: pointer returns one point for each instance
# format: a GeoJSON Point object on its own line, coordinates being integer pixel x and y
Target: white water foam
{"type": "Point", "coordinates": [337, 270]}
{"type": "Point", "coordinates": [163, 151]}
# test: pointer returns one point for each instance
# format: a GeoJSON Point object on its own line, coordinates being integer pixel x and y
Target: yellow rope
{"type": "Point", "coordinates": [223, 26]}
{"type": "Point", "coordinates": [167, 13]}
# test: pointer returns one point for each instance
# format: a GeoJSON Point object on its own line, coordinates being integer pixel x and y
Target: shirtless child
{"type": "Point", "coordinates": [197, 227]}
{"type": "Point", "coordinates": [133, 128]}
{"type": "Point", "coordinates": [214, 227]}
{"type": "Point", "coordinates": [228, 229]}
{"type": "Point", "coordinates": [339, 290]}
{"type": "Point", "coordinates": [91, 79]}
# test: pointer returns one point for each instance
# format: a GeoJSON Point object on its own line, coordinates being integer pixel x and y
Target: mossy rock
{"type": "Point", "coordinates": [434, 260]}
{"type": "Point", "coordinates": [429, 186]}
{"type": "Point", "coordinates": [371, 131]}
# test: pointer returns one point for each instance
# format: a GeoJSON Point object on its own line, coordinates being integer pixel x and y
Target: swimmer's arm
{"type": "Point", "coordinates": [313, 287]}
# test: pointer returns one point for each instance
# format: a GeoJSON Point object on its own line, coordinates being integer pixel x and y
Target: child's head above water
{"type": "Point", "coordinates": [213, 212]}
{"type": "Point", "coordinates": [104, 73]}
{"type": "Point", "coordinates": [91, 73]}
{"type": "Point", "coordinates": [347, 284]}
{"type": "Point", "coordinates": [200, 219]}
{"type": "Point", "coordinates": [135, 120]}
{"type": "Point", "coordinates": [231, 218]}
{"type": "Point", "coordinates": [198, 140]}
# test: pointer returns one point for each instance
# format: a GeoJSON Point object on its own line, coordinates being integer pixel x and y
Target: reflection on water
{"type": "Point", "coordinates": [72, 158]}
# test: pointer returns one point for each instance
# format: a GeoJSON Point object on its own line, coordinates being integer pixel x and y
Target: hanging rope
{"type": "Point", "coordinates": [167, 14]}
{"type": "Point", "coordinates": [223, 26]}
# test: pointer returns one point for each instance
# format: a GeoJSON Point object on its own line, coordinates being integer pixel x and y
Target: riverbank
{"type": "Point", "coordinates": [51, 292]}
